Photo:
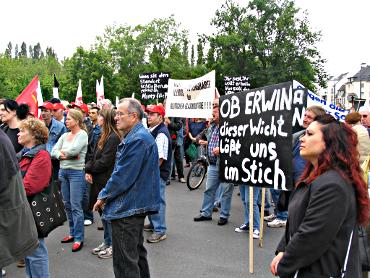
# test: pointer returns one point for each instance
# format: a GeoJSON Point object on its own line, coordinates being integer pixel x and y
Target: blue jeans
{"type": "Point", "coordinates": [107, 232]}
{"type": "Point", "coordinates": [244, 194]}
{"type": "Point", "coordinates": [213, 183]}
{"type": "Point", "coordinates": [73, 189]}
{"type": "Point", "coordinates": [218, 197]}
{"type": "Point", "coordinates": [267, 200]}
{"type": "Point", "coordinates": [37, 264]}
{"type": "Point", "coordinates": [159, 220]}
{"type": "Point", "coordinates": [88, 214]}
{"type": "Point", "coordinates": [282, 215]}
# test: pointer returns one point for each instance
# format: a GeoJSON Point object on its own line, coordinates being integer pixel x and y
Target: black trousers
{"type": "Point", "coordinates": [178, 158]}
{"type": "Point", "coordinates": [129, 253]}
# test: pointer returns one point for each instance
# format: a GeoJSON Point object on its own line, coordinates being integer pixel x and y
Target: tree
{"type": "Point", "coordinates": [30, 51]}
{"type": "Point", "coordinates": [8, 50]}
{"type": "Point", "coordinates": [16, 51]}
{"type": "Point", "coordinates": [200, 59]}
{"type": "Point", "coordinates": [37, 51]}
{"type": "Point", "coordinates": [192, 56]}
{"type": "Point", "coordinates": [270, 41]}
{"type": "Point", "coordinates": [23, 52]}
{"type": "Point", "coordinates": [50, 53]}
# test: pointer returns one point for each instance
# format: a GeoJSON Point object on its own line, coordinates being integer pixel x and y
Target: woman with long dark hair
{"type": "Point", "coordinates": [329, 202]}
{"type": "Point", "coordinates": [99, 168]}
{"type": "Point", "coordinates": [11, 114]}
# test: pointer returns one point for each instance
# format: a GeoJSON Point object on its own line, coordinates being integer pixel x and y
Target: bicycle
{"type": "Point", "coordinates": [197, 171]}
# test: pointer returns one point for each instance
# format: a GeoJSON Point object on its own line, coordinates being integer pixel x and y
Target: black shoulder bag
{"type": "Point", "coordinates": [47, 208]}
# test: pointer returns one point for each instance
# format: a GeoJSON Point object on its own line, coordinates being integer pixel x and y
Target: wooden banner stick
{"type": "Point", "coordinates": [250, 229]}
{"type": "Point", "coordinates": [263, 192]}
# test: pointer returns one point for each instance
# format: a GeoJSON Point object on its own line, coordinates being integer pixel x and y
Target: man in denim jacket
{"type": "Point", "coordinates": [56, 129]}
{"type": "Point", "coordinates": [132, 192]}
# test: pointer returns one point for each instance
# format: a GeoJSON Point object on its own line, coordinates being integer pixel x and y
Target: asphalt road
{"type": "Point", "coordinates": [191, 250]}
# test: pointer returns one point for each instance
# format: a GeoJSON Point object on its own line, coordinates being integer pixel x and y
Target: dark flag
{"type": "Point", "coordinates": [56, 88]}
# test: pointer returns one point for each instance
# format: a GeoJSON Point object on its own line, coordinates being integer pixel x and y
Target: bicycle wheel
{"type": "Point", "coordinates": [196, 175]}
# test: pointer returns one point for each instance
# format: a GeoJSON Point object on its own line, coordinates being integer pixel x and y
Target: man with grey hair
{"type": "Point", "coordinates": [132, 192]}
{"type": "Point", "coordinates": [106, 104]}
{"type": "Point", "coordinates": [365, 117]}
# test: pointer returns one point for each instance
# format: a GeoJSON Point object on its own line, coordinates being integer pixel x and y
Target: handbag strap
{"type": "Point", "coordinates": [347, 255]}
{"type": "Point", "coordinates": [343, 271]}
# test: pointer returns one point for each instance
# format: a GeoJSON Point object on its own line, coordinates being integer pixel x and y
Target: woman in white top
{"type": "Point", "coordinates": [71, 150]}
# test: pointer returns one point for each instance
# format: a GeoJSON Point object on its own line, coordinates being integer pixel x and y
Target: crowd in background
{"type": "Point", "coordinates": [83, 147]}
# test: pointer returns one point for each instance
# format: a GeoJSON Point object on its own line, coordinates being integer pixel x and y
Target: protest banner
{"type": "Point", "coordinates": [255, 142]}
{"type": "Point", "coordinates": [236, 84]}
{"type": "Point", "coordinates": [154, 85]}
{"type": "Point", "coordinates": [191, 98]}
{"type": "Point", "coordinates": [256, 129]}
{"type": "Point", "coordinates": [337, 112]}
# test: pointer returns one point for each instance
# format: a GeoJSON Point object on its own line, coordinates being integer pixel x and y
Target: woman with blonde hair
{"type": "Point", "coordinates": [71, 150]}
{"type": "Point", "coordinates": [99, 168]}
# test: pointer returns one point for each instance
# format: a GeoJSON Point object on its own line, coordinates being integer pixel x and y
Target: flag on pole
{"type": "Point", "coordinates": [30, 95]}
{"type": "Point", "coordinates": [117, 101]}
{"type": "Point", "coordinates": [99, 92]}
{"type": "Point", "coordinates": [56, 87]}
{"type": "Point", "coordinates": [78, 100]}
{"type": "Point", "coordinates": [40, 100]}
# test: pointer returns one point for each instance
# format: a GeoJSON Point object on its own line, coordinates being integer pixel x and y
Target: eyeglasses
{"type": "Point", "coordinates": [120, 114]}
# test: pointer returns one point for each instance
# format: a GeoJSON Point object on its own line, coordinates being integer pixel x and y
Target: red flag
{"type": "Point", "coordinates": [29, 96]}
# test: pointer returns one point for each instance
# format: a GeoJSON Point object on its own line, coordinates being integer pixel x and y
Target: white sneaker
{"type": "Point", "coordinates": [256, 234]}
{"type": "Point", "coordinates": [270, 217]}
{"type": "Point", "coordinates": [100, 248]}
{"type": "Point", "coordinates": [242, 229]}
{"type": "Point", "coordinates": [87, 222]}
{"type": "Point", "coordinates": [277, 223]}
{"type": "Point", "coordinates": [106, 254]}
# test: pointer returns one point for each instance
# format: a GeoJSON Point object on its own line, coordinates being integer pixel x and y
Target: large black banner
{"type": "Point", "coordinates": [236, 84]}
{"type": "Point", "coordinates": [256, 135]}
{"type": "Point", "coordinates": [154, 85]}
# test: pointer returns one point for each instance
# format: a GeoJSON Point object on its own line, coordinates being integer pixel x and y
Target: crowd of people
{"type": "Point", "coordinates": [118, 161]}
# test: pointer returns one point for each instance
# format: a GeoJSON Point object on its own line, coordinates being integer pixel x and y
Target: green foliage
{"type": "Point", "coordinates": [270, 41]}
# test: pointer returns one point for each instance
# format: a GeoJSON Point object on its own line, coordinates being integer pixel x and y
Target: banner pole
{"type": "Point", "coordinates": [263, 192]}
{"type": "Point", "coordinates": [250, 229]}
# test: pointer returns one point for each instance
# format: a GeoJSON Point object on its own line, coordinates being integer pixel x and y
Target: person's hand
{"type": "Point", "coordinates": [99, 205]}
{"type": "Point", "coordinates": [216, 151]}
{"type": "Point", "coordinates": [88, 178]}
{"type": "Point", "coordinates": [275, 262]}
{"type": "Point", "coordinates": [167, 121]}
{"type": "Point", "coordinates": [202, 142]}
{"type": "Point", "coordinates": [62, 156]}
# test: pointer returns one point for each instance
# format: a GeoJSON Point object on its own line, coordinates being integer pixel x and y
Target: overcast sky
{"type": "Point", "coordinates": [65, 25]}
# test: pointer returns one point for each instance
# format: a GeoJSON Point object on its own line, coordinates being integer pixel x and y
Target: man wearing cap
{"type": "Point", "coordinates": [58, 112]}
{"type": "Point", "coordinates": [85, 111]}
{"type": "Point", "coordinates": [56, 129]}
{"type": "Point", "coordinates": [158, 129]}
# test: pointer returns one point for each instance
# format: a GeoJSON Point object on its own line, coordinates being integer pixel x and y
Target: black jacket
{"type": "Point", "coordinates": [322, 216]}
{"type": "Point", "coordinates": [101, 165]}
{"type": "Point", "coordinates": [18, 234]}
